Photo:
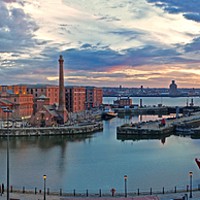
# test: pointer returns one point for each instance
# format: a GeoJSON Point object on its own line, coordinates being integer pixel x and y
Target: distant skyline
{"type": "Point", "coordinates": [104, 43]}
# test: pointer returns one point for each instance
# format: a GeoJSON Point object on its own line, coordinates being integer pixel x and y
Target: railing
{"type": "Point", "coordinates": [100, 193]}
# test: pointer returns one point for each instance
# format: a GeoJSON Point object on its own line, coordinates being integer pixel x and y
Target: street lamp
{"type": "Point", "coordinates": [190, 174]}
{"type": "Point", "coordinates": [44, 177]}
{"type": "Point", "coordinates": [7, 111]}
{"type": "Point", "coordinates": [125, 185]}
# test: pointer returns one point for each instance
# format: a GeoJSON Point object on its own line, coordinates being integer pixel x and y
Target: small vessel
{"type": "Point", "coordinates": [108, 113]}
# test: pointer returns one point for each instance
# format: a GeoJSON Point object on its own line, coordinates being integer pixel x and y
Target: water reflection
{"type": "Point", "coordinates": [43, 142]}
{"type": "Point", "coordinates": [162, 138]}
{"type": "Point", "coordinates": [99, 160]}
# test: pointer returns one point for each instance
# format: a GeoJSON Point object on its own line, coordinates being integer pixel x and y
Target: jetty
{"type": "Point", "coordinates": [78, 129]}
{"type": "Point", "coordinates": [156, 129]}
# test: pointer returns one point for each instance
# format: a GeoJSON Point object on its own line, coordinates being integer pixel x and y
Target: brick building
{"type": "Point", "coordinates": [75, 98]}
{"type": "Point", "coordinates": [94, 97]}
{"type": "Point", "coordinates": [16, 99]}
{"type": "Point", "coordinates": [50, 91]}
{"type": "Point", "coordinates": [123, 101]}
{"type": "Point", "coordinates": [82, 98]}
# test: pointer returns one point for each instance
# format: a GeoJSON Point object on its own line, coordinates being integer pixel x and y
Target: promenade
{"type": "Point", "coordinates": [168, 196]}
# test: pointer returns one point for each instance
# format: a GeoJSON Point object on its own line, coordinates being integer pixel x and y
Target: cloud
{"type": "Point", "coordinates": [189, 8]}
{"type": "Point", "coordinates": [103, 42]}
{"type": "Point", "coordinates": [16, 29]}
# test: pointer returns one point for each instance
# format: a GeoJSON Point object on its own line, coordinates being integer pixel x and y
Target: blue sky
{"type": "Point", "coordinates": [104, 43]}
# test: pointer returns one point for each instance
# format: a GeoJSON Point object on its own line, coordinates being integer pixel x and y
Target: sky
{"type": "Point", "coordinates": [103, 43]}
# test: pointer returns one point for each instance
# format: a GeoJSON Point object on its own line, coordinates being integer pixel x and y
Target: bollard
{"type": "Point", "coordinates": [186, 197]}
{"type": "Point", "coordinates": [150, 191]}
{"type": "Point", "coordinates": [2, 188]}
{"type": "Point", "coordinates": [86, 193]}
{"type": "Point", "coordinates": [40, 191]}
{"type": "Point", "coordinates": [23, 189]}
{"type": "Point", "coordinates": [113, 190]}
{"type": "Point", "coordinates": [175, 189]}
{"type": "Point", "coordinates": [48, 191]}
{"type": "Point", "coordinates": [74, 192]}
{"type": "Point", "coordinates": [187, 188]}
{"type": "Point", "coordinates": [163, 190]}
{"type": "Point", "coordinates": [138, 192]}
{"type": "Point", "coordinates": [35, 190]}
{"type": "Point", "coordinates": [11, 188]}
{"type": "Point", "coordinates": [60, 192]}
{"type": "Point", "coordinates": [99, 192]}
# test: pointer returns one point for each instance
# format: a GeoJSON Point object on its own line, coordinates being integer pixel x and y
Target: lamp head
{"type": "Point", "coordinates": [125, 177]}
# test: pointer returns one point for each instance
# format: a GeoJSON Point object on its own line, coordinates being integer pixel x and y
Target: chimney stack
{"type": "Point", "coordinates": [62, 106]}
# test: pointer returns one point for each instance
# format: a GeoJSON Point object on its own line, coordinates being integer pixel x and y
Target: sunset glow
{"type": "Point", "coordinates": [150, 44]}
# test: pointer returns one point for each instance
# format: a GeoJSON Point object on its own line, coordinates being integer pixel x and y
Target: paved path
{"type": "Point", "coordinates": [177, 196]}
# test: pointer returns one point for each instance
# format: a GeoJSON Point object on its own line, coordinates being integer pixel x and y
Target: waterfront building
{"type": "Point", "coordinates": [94, 97]}
{"type": "Point", "coordinates": [123, 101]}
{"type": "Point", "coordinates": [75, 98]}
{"type": "Point", "coordinates": [173, 89]}
{"type": "Point", "coordinates": [46, 115]}
{"type": "Point", "coordinates": [16, 99]}
{"type": "Point", "coordinates": [50, 91]}
{"type": "Point", "coordinates": [49, 102]}
{"type": "Point", "coordinates": [40, 102]}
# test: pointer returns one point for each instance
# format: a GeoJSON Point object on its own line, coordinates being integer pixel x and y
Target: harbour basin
{"type": "Point", "coordinates": [100, 161]}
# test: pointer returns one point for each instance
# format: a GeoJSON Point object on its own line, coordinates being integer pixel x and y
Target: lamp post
{"type": "Point", "coordinates": [190, 174]}
{"type": "Point", "coordinates": [7, 111]}
{"type": "Point", "coordinates": [44, 177]}
{"type": "Point", "coordinates": [125, 185]}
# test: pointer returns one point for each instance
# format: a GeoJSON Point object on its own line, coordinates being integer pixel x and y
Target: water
{"type": "Point", "coordinates": [100, 161]}
{"type": "Point", "coordinates": [167, 101]}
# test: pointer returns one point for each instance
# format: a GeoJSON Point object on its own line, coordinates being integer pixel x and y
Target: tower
{"type": "Point", "coordinates": [62, 107]}
{"type": "Point", "coordinates": [173, 89]}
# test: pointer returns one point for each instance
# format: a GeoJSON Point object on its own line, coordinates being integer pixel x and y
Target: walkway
{"type": "Point", "coordinates": [177, 196]}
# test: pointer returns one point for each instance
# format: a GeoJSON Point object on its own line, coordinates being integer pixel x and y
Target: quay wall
{"type": "Point", "coordinates": [142, 110]}
{"type": "Point", "coordinates": [153, 129]}
{"type": "Point", "coordinates": [144, 131]}
{"type": "Point", "coordinates": [66, 130]}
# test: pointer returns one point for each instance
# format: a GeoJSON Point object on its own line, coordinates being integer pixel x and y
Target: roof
{"type": "Point", "coordinates": [43, 97]}
{"type": "Point", "coordinates": [51, 109]}
{"type": "Point", "coordinates": [5, 101]}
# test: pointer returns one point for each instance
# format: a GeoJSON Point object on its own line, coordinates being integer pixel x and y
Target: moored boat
{"type": "Point", "coordinates": [108, 113]}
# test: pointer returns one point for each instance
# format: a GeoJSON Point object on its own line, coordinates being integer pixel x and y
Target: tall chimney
{"type": "Point", "coordinates": [62, 107]}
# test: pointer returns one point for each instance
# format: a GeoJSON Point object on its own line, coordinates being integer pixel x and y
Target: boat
{"type": "Point", "coordinates": [108, 113]}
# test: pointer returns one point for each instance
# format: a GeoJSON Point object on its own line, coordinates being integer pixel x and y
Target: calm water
{"type": "Point", "coordinates": [100, 161]}
{"type": "Point", "coordinates": [167, 101]}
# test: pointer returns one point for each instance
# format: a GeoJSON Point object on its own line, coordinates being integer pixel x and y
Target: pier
{"type": "Point", "coordinates": [155, 129]}
{"type": "Point", "coordinates": [64, 130]}
{"type": "Point", "coordinates": [150, 110]}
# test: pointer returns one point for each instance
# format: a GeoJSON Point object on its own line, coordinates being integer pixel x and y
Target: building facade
{"type": "Point", "coordinates": [75, 98]}
{"type": "Point", "coordinates": [173, 89]}
{"type": "Point", "coordinates": [123, 101]}
{"type": "Point", "coordinates": [50, 91]}
{"type": "Point", "coordinates": [94, 97]}
{"type": "Point", "coordinates": [16, 99]}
